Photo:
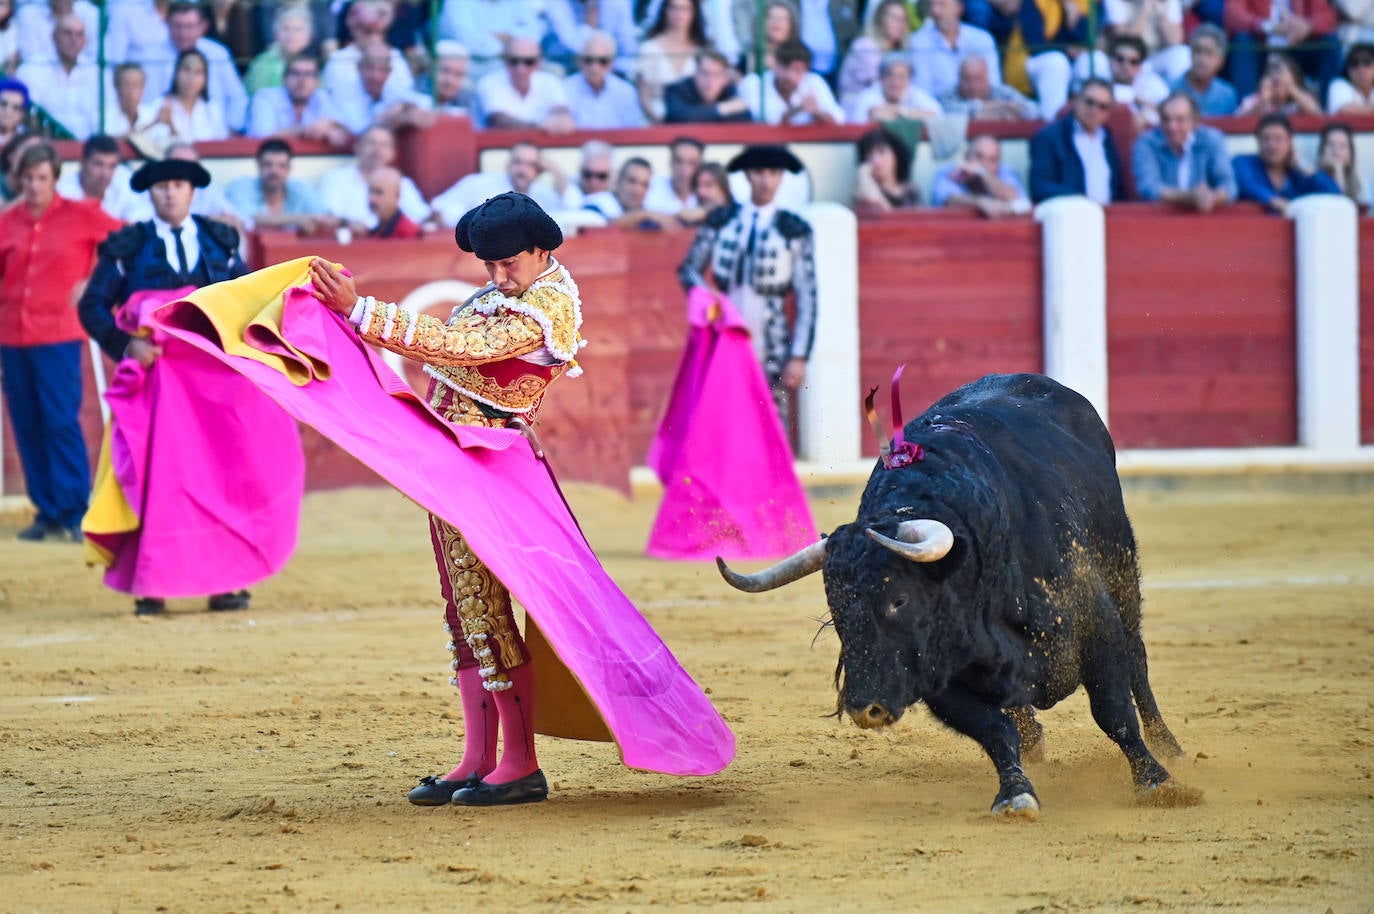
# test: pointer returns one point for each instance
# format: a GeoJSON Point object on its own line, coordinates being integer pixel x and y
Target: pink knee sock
{"type": "Point", "coordinates": [479, 727]}
{"type": "Point", "coordinates": [516, 709]}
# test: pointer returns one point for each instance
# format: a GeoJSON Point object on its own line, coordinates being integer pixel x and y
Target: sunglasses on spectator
{"type": "Point", "coordinates": [1129, 60]}
{"type": "Point", "coordinates": [599, 61]}
{"type": "Point", "coordinates": [595, 175]}
{"type": "Point", "coordinates": [522, 61]}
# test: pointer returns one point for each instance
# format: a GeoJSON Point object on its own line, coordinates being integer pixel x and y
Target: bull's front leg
{"type": "Point", "coordinates": [996, 733]}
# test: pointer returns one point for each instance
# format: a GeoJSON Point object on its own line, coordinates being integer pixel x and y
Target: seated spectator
{"type": "Point", "coordinates": [485, 26]}
{"type": "Point", "coordinates": [977, 96]}
{"type": "Point", "coordinates": [67, 87]}
{"type": "Point", "coordinates": [10, 157]}
{"type": "Point", "coordinates": [1215, 97]}
{"type": "Point", "coordinates": [707, 96]}
{"type": "Point", "coordinates": [884, 177]}
{"type": "Point", "coordinates": [598, 99]}
{"type": "Point", "coordinates": [673, 192]}
{"type": "Point", "coordinates": [187, 26]}
{"type": "Point", "coordinates": [14, 109]}
{"type": "Point", "coordinates": [101, 177]}
{"type": "Point", "coordinates": [942, 42]}
{"type": "Point", "coordinates": [1354, 95]}
{"type": "Point", "coordinates": [1304, 28]}
{"type": "Point", "coordinates": [1159, 26]}
{"type": "Point", "coordinates": [1036, 59]}
{"type": "Point", "coordinates": [888, 32]}
{"type": "Point", "coordinates": [186, 110]}
{"type": "Point", "coordinates": [126, 113]}
{"type": "Point", "coordinates": [1133, 84]}
{"type": "Point", "coordinates": [668, 54]}
{"type": "Point", "coordinates": [1181, 162]}
{"type": "Point", "coordinates": [343, 190]}
{"type": "Point", "coordinates": [980, 181]}
{"type": "Point", "coordinates": [375, 98]}
{"type": "Point", "coordinates": [1281, 90]}
{"type": "Point", "coordinates": [384, 200]}
{"type": "Point", "coordinates": [136, 31]}
{"type": "Point", "coordinates": [299, 108]}
{"type": "Point", "coordinates": [1336, 158]}
{"type": "Point", "coordinates": [367, 22]}
{"type": "Point", "coordinates": [623, 205]}
{"type": "Point", "coordinates": [36, 21]}
{"type": "Point", "coordinates": [275, 200]}
{"type": "Point", "coordinates": [523, 168]}
{"type": "Point", "coordinates": [792, 93]}
{"type": "Point", "coordinates": [1076, 155]}
{"type": "Point", "coordinates": [9, 37]}
{"type": "Point", "coordinates": [291, 35]}
{"type": "Point", "coordinates": [594, 174]}
{"type": "Point", "coordinates": [570, 22]}
{"type": "Point", "coordinates": [711, 187]}
{"type": "Point", "coordinates": [452, 94]}
{"type": "Point", "coordinates": [209, 201]}
{"type": "Point", "coordinates": [523, 96]}
{"type": "Point", "coordinates": [893, 96]}
{"type": "Point", "coordinates": [1357, 22]}
{"type": "Point", "coordinates": [782, 24]}
{"type": "Point", "coordinates": [1275, 177]}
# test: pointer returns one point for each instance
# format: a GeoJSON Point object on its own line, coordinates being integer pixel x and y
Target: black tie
{"type": "Point", "coordinates": [748, 253]}
{"type": "Point", "coordinates": [181, 252]}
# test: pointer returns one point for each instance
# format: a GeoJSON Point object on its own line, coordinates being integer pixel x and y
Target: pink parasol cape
{"type": "Point", "coordinates": [200, 480]}
{"type": "Point", "coordinates": [730, 488]}
{"type": "Point", "coordinates": [486, 482]}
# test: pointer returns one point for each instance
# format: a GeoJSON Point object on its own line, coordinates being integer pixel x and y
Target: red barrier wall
{"type": "Point", "coordinates": [1200, 328]}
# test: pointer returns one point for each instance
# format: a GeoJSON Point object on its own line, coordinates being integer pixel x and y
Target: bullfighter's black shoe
{"type": "Point", "coordinates": [532, 788]}
{"type": "Point", "coordinates": [37, 531]}
{"type": "Point", "coordinates": [222, 602]}
{"type": "Point", "coordinates": [149, 606]}
{"type": "Point", "coordinates": [435, 791]}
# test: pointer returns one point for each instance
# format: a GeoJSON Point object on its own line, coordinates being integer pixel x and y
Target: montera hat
{"type": "Point", "coordinates": [504, 226]}
{"type": "Point", "coordinates": [767, 156]}
{"type": "Point", "coordinates": [170, 170]}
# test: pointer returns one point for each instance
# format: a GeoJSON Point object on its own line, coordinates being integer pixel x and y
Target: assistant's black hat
{"type": "Point", "coordinates": [504, 226]}
{"type": "Point", "coordinates": [766, 156]}
{"type": "Point", "coordinates": [170, 170]}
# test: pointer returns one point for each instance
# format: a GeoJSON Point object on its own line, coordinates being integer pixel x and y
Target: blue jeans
{"type": "Point", "coordinates": [42, 388]}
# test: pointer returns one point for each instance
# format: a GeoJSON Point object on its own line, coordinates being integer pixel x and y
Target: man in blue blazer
{"type": "Point", "coordinates": [1076, 156]}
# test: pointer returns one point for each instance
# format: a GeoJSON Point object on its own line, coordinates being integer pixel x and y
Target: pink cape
{"type": "Point", "coordinates": [487, 483]}
{"type": "Point", "coordinates": [211, 470]}
{"type": "Point", "coordinates": [729, 486]}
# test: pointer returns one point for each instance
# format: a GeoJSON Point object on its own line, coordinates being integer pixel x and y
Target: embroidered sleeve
{"type": "Point", "coordinates": [469, 338]}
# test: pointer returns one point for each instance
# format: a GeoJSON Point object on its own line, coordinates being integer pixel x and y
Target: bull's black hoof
{"type": "Point", "coordinates": [532, 788]}
{"type": "Point", "coordinates": [1019, 806]}
{"type": "Point", "coordinates": [434, 791]}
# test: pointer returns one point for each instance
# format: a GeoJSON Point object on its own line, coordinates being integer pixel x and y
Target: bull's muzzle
{"type": "Point", "coordinates": [873, 716]}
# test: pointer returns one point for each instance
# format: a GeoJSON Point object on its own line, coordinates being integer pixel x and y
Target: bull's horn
{"type": "Point", "coordinates": [798, 565]}
{"type": "Point", "coordinates": [918, 540]}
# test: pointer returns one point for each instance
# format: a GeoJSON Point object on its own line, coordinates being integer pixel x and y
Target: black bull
{"type": "Point", "coordinates": [994, 576]}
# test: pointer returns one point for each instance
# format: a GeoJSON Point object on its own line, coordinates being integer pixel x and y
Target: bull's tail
{"type": "Point", "coordinates": [1157, 734]}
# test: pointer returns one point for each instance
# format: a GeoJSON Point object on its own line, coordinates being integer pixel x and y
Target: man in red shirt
{"type": "Point", "coordinates": [384, 199]}
{"type": "Point", "coordinates": [47, 246]}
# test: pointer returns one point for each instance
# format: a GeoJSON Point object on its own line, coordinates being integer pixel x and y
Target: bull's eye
{"type": "Point", "coordinates": [896, 606]}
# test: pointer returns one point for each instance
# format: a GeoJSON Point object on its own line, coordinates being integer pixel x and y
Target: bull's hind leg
{"type": "Point", "coordinates": [1156, 731]}
{"type": "Point", "coordinates": [996, 733]}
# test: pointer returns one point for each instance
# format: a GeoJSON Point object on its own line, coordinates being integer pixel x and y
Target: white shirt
{"type": "Point", "coordinates": [935, 62]}
{"type": "Point", "coordinates": [476, 188]}
{"type": "Point", "coordinates": [134, 31]}
{"type": "Point", "coordinates": [357, 110]}
{"type": "Point", "coordinates": [475, 24]}
{"type": "Point", "coordinates": [190, 241]}
{"type": "Point", "coordinates": [818, 34]}
{"type": "Point", "coordinates": [1342, 93]}
{"type": "Point", "coordinates": [496, 95]}
{"type": "Point", "coordinates": [35, 25]}
{"type": "Point", "coordinates": [1097, 174]}
{"type": "Point", "coordinates": [71, 98]}
{"type": "Point", "coordinates": [605, 203]}
{"type": "Point", "coordinates": [117, 123]}
{"type": "Point", "coordinates": [205, 121]}
{"type": "Point", "coordinates": [119, 199]}
{"type": "Point", "coordinates": [341, 79]}
{"type": "Point", "coordinates": [915, 98]}
{"type": "Point", "coordinates": [661, 197]}
{"type": "Point", "coordinates": [343, 191]}
{"type": "Point", "coordinates": [226, 88]}
{"type": "Point", "coordinates": [774, 105]}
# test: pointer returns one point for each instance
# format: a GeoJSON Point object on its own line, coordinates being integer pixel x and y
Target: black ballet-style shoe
{"type": "Point", "coordinates": [225, 602]}
{"type": "Point", "coordinates": [149, 606]}
{"type": "Point", "coordinates": [532, 788]}
{"type": "Point", "coordinates": [434, 791]}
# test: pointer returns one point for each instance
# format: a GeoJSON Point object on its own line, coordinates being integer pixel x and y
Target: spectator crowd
{"type": "Point", "coordinates": [167, 74]}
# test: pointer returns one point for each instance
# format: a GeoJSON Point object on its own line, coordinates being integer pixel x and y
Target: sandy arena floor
{"type": "Point", "coordinates": [259, 762]}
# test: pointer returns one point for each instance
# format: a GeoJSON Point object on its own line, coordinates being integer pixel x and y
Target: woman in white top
{"type": "Point", "coordinates": [1354, 95]}
{"type": "Point", "coordinates": [889, 30]}
{"type": "Point", "coordinates": [669, 53]}
{"type": "Point", "coordinates": [187, 110]}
